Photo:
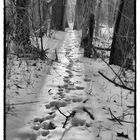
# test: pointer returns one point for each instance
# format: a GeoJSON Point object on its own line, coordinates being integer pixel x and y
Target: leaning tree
{"type": "Point", "coordinates": [123, 45]}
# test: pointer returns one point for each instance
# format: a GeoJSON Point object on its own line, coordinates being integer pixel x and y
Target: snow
{"type": "Point", "coordinates": [105, 31]}
{"type": "Point", "coordinates": [73, 84]}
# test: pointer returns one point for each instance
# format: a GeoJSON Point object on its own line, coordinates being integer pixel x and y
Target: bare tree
{"type": "Point", "coordinates": [22, 22]}
{"type": "Point", "coordinates": [57, 15]}
{"type": "Point", "coordinates": [111, 12]}
{"type": "Point", "coordinates": [98, 16]}
{"type": "Point", "coordinates": [40, 16]}
{"type": "Point", "coordinates": [65, 3]}
{"type": "Point", "coordinates": [78, 14]}
{"type": "Point", "coordinates": [87, 41]}
{"type": "Point", "coordinates": [123, 45]}
{"type": "Point", "coordinates": [86, 20]}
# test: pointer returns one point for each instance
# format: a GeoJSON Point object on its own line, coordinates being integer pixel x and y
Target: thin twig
{"type": "Point", "coordinates": [114, 72]}
{"type": "Point", "coordinates": [24, 103]}
{"type": "Point", "coordinates": [129, 114]}
{"type": "Point", "coordinates": [90, 115]}
{"type": "Point", "coordinates": [117, 119]}
{"type": "Point", "coordinates": [71, 115]}
{"type": "Point", "coordinates": [65, 132]}
{"type": "Point", "coordinates": [116, 84]}
{"type": "Point", "coordinates": [124, 121]}
{"type": "Point", "coordinates": [61, 111]}
{"type": "Point", "coordinates": [113, 116]}
{"type": "Point", "coordinates": [104, 49]}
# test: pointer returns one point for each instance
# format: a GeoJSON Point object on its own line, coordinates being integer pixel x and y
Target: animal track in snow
{"type": "Point", "coordinates": [78, 122]}
{"type": "Point", "coordinates": [48, 125]}
{"type": "Point", "coordinates": [77, 99]}
{"type": "Point", "coordinates": [54, 103]}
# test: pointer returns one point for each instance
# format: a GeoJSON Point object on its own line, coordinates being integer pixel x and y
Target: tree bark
{"type": "Point", "coordinates": [123, 38]}
{"type": "Point", "coordinates": [98, 13]}
{"type": "Point", "coordinates": [57, 15]}
{"type": "Point", "coordinates": [22, 22]}
{"type": "Point", "coordinates": [40, 15]}
{"type": "Point", "coordinates": [84, 19]}
{"type": "Point", "coordinates": [78, 14]}
{"type": "Point", "coordinates": [111, 12]}
{"type": "Point", "coordinates": [64, 19]}
{"type": "Point", "coordinates": [88, 45]}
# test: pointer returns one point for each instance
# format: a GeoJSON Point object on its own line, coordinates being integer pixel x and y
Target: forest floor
{"type": "Point", "coordinates": [69, 99]}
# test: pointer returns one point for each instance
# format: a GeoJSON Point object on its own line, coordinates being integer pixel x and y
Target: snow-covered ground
{"type": "Point", "coordinates": [24, 80]}
{"type": "Point", "coordinates": [75, 101]}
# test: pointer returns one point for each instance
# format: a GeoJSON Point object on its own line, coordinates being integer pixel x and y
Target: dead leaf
{"type": "Point", "coordinates": [122, 135]}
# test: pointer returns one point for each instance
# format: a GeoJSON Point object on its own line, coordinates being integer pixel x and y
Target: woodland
{"type": "Point", "coordinates": [70, 69]}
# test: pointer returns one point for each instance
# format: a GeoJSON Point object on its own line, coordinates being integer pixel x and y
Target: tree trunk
{"type": "Point", "coordinates": [57, 15]}
{"type": "Point", "coordinates": [84, 18]}
{"type": "Point", "coordinates": [22, 35]}
{"type": "Point", "coordinates": [111, 12]}
{"type": "Point", "coordinates": [40, 15]}
{"type": "Point", "coordinates": [98, 12]}
{"type": "Point", "coordinates": [88, 45]}
{"type": "Point", "coordinates": [123, 38]}
{"type": "Point", "coordinates": [64, 19]}
{"type": "Point", "coordinates": [78, 14]}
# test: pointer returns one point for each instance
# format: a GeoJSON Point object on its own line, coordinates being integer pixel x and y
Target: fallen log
{"type": "Point", "coordinates": [102, 49]}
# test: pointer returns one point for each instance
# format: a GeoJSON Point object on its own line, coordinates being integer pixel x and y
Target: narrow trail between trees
{"type": "Point", "coordinates": [72, 101]}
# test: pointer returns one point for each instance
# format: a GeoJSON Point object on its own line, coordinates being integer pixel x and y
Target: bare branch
{"type": "Point", "coordinates": [116, 84]}
{"type": "Point", "coordinates": [17, 7]}
{"type": "Point", "coordinates": [117, 119]}
{"type": "Point", "coordinates": [61, 111]}
{"type": "Point", "coordinates": [113, 116]}
{"type": "Point", "coordinates": [25, 103]}
{"type": "Point", "coordinates": [90, 115]}
{"type": "Point", "coordinates": [71, 115]}
{"type": "Point", "coordinates": [114, 72]}
{"type": "Point", "coordinates": [65, 132]}
{"type": "Point", "coordinates": [104, 49]}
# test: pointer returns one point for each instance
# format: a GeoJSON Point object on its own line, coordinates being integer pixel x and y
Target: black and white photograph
{"type": "Point", "coordinates": [69, 69]}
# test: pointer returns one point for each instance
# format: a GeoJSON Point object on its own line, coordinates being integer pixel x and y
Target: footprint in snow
{"type": "Point", "coordinates": [37, 121]}
{"type": "Point", "coordinates": [26, 134]}
{"type": "Point", "coordinates": [77, 122]}
{"type": "Point", "coordinates": [44, 133]}
{"type": "Point", "coordinates": [77, 100]}
{"type": "Point", "coordinates": [48, 125]}
{"type": "Point", "coordinates": [54, 103]}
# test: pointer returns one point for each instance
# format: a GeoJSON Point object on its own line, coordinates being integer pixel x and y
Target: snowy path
{"type": "Point", "coordinates": [72, 86]}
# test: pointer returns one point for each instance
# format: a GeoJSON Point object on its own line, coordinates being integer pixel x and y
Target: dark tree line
{"type": "Point", "coordinates": [123, 14]}
{"type": "Point", "coordinates": [33, 18]}
{"type": "Point", "coordinates": [123, 45]}
{"type": "Point", "coordinates": [59, 20]}
{"type": "Point", "coordinates": [85, 20]}
{"type": "Point", "coordinates": [88, 16]}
